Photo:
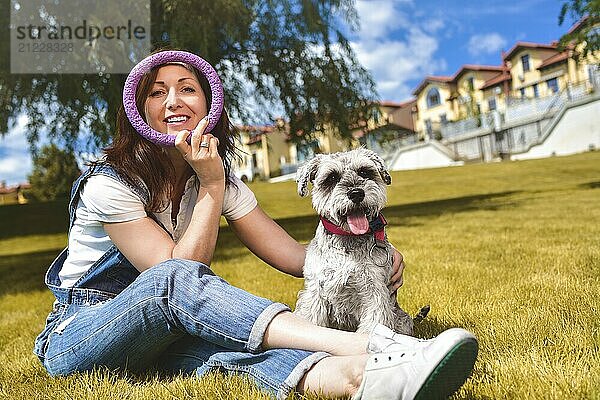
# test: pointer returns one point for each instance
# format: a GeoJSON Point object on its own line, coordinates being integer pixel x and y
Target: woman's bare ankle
{"type": "Point", "coordinates": [355, 374]}
{"type": "Point", "coordinates": [334, 376]}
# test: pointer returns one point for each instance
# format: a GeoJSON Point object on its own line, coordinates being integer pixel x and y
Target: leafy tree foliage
{"type": "Point", "coordinates": [293, 51]}
{"type": "Point", "coordinates": [54, 171]}
{"type": "Point", "coordinates": [588, 31]}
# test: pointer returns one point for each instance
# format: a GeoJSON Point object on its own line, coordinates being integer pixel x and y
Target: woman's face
{"type": "Point", "coordinates": [176, 100]}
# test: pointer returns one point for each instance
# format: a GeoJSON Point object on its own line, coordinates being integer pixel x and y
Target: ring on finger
{"type": "Point", "coordinates": [204, 144]}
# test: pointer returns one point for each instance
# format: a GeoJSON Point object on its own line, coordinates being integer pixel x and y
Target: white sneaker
{"type": "Point", "coordinates": [434, 369]}
{"type": "Point", "coordinates": [384, 340]}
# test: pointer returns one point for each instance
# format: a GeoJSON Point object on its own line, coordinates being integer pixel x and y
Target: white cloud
{"type": "Point", "coordinates": [15, 163]}
{"type": "Point", "coordinates": [378, 17]}
{"type": "Point", "coordinates": [433, 25]}
{"type": "Point", "coordinates": [396, 62]}
{"type": "Point", "coordinates": [15, 168]}
{"type": "Point", "coordinates": [397, 45]}
{"type": "Point", "coordinates": [486, 43]}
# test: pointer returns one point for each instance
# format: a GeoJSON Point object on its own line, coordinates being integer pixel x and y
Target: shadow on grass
{"type": "Point", "coordinates": [431, 326]}
{"type": "Point", "coordinates": [590, 185]}
{"type": "Point", "coordinates": [34, 219]}
{"type": "Point", "coordinates": [24, 272]}
{"type": "Point", "coordinates": [303, 228]}
{"type": "Point", "coordinates": [435, 208]}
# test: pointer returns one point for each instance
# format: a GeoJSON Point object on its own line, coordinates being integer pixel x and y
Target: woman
{"type": "Point", "coordinates": [134, 289]}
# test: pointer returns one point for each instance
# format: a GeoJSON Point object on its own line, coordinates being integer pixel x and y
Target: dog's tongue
{"type": "Point", "coordinates": [358, 223]}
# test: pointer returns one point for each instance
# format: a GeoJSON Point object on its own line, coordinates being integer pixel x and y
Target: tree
{"type": "Point", "coordinates": [54, 171]}
{"type": "Point", "coordinates": [293, 51]}
{"type": "Point", "coordinates": [587, 31]}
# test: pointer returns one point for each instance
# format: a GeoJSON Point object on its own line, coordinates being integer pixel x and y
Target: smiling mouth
{"type": "Point", "coordinates": [176, 119]}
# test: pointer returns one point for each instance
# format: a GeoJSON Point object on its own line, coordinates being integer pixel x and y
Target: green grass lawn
{"type": "Point", "coordinates": [510, 251]}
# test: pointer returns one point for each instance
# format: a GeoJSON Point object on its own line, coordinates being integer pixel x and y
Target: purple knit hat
{"type": "Point", "coordinates": [165, 57]}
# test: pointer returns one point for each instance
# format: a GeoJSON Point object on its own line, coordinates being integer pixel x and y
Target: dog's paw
{"type": "Point", "coordinates": [404, 322]}
{"type": "Point", "coordinates": [422, 314]}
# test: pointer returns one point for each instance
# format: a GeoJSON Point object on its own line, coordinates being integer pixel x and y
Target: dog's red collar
{"type": "Point", "coordinates": [376, 227]}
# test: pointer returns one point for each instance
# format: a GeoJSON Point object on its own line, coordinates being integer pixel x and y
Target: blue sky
{"type": "Point", "coordinates": [400, 42]}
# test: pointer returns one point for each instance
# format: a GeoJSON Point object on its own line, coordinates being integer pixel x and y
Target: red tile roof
{"type": "Point", "coordinates": [14, 188]}
{"type": "Point", "coordinates": [555, 59]}
{"type": "Point", "coordinates": [389, 103]}
{"type": "Point", "coordinates": [577, 25]}
{"type": "Point", "coordinates": [256, 128]}
{"type": "Point", "coordinates": [471, 67]}
{"type": "Point", "coordinates": [431, 78]}
{"type": "Point", "coordinates": [255, 131]}
{"type": "Point", "coordinates": [528, 45]}
{"type": "Point", "coordinates": [408, 103]}
{"type": "Point", "coordinates": [454, 78]}
{"type": "Point", "coordinates": [497, 79]}
{"type": "Point", "coordinates": [254, 139]}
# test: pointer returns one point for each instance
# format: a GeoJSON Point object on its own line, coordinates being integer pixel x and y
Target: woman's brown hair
{"type": "Point", "coordinates": [137, 159]}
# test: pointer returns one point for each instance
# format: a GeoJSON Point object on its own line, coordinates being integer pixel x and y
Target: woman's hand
{"type": "Point", "coordinates": [202, 154]}
{"type": "Point", "coordinates": [397, 271]}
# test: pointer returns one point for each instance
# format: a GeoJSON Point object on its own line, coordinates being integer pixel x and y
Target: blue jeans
{"type": "Point", "coordinates": [180, 316]}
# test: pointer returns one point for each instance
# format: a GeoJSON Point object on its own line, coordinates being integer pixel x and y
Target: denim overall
{"type": "Point", "coordinates": [106, 278]}
{"type": "Point", "coordinates": [178, 316]}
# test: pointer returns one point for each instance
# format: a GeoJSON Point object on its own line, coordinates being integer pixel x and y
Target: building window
{"type": "Point", "coordinates": [552, 85]}
{"type": "Point", "coordinates": [522, 90]}
{"type": "Point", "coordinates": [525, 62]}
{"type": "Point", "coordinates": [536, 91]}
{"type": "Point", "coordinates": [428, 127]}
{"type": "Point", "coordinates": [492, 103]}
{"type": "Point", "coordinates": [433, 98]}
{"type": "Point", "coordinates": [471, 83]}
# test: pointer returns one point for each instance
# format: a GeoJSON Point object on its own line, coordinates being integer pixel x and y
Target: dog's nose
{"type": "Point", "coordinates": [356, 195]}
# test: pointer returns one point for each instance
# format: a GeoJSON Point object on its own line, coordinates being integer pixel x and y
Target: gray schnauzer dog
{"type": "Point", "coordinates": [349, 262]}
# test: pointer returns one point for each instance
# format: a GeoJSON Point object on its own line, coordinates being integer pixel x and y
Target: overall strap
{"type": "Point", "coordinates": [93, 285]}
{"type": "Point", "coordinates": [100, 168]}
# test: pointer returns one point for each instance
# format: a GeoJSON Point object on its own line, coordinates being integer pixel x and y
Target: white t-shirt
{"type": "Point", "coordinates": [106, 200]}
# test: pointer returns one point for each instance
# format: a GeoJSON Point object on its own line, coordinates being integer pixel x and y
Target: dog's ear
{"type": "Point", "coordinates": [306, 174]}
{"type": "Point", "coordinates": [385, 175]}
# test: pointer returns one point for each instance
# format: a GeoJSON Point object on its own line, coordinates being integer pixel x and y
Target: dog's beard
{"type": "Point", "coordinates": [353, 219]}
{"type": "Point", "coordinates": [349, 216]}
{"type": "Point", "coordinates": [336, 207]}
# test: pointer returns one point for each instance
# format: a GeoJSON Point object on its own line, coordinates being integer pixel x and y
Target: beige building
{"type": "Point", "coordinates": [441, 99]}
{"type": "Point", "coordinates": [495, 91]}
{"type": "Point", "coordinates": [539, 70]}
{"type": "Point", "coordinates": [468, 98]}
{"type": "Point", "coordinates": [262, 151]}
{"type": "Point", "coordinates": [267, 151]}
{"type": "Point", "coordinates": [13, 194]}
{"type": "Point", "coordinates": [433, 104]}
{"type": "Point", "coordinates": [391, 124]}
{"type": "Point", "coordinates": [529, 70]}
